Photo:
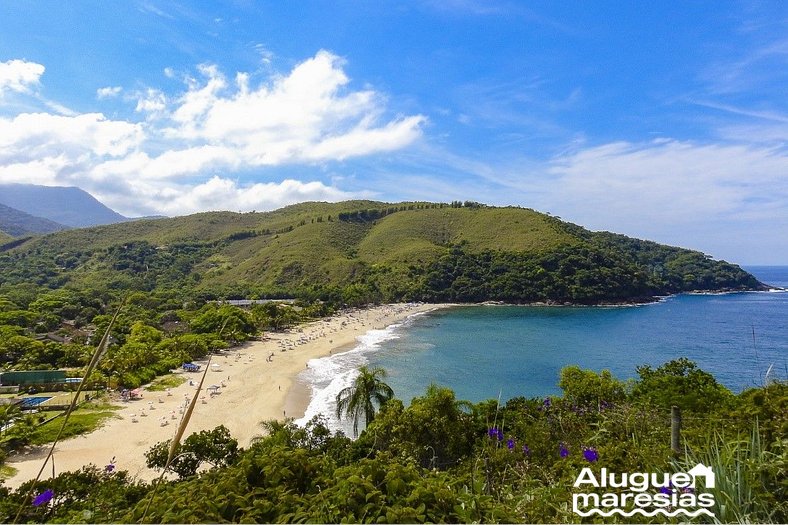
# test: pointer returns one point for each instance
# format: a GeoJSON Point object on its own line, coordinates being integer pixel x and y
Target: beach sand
{"type": "Point", "coordinates": [255, 390]}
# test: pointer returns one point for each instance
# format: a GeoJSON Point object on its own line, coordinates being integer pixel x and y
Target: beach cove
{"type": "Point", "coordinates": [258, 387]}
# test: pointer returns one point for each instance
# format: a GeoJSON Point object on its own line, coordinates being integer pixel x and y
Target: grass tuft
{"type": "Point", "coordinates": [163, 383]}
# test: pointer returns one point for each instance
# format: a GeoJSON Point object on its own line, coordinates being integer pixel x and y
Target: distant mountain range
{"type": "Point", "coordinates": [67, 206]}
{"type": "Point", "coordinates": [17, 223]}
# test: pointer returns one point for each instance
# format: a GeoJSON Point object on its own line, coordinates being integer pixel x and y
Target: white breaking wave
{"type": "Point", "coordinates": [327, 376]}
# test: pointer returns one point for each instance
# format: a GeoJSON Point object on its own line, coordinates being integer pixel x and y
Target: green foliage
{"type": "Point", "coordinates": [17, 347]}
{"type": "Point", "coordinates": [82, 421]}
{"type": "Point", "coordinates": [680, 382]}
{"type": "Point", "coordinates": [50, 329]}
{"type": "Point", "coordinates": [166, 382]}
{"type": "Point", "coordinates": [232, 323]}
{"type": "Point", "coordinates": [215, 447]}
{"type": "Point", "coordinates": [370, 252]}
{"type": "Point", "coordinates": [441, 460]}
{"type": "Point", "coordinates": [751, 484]}
{"type": "Point", "coordinates": [275, 316]}
{"type": "Point", "coordinates": [21, 318]}
{"type": "Point", "coordinates": [768, 405]}
{"type": "Point", "coordinates": [574, 273]}
{"type": "Point", "coordinates": [673, 269]}
{"type": "Point", "coordinates": [89, 495]}
{"type": "Point", "coordinates": [8, 413]}
{"type": "Point", "coordinates": [589, 389]}
{"type": "Point", "coordinates": [436, 430]}
{"type": "Point", "coordinates": [359, 400]}
{"type": "Point", "coordinates": [290, 476]}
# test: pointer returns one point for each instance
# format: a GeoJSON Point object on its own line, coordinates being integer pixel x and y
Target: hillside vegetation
{"type": "Point", "coordinates": [444, 460]}
{"type": "Point", "coordinates": [366, 251]}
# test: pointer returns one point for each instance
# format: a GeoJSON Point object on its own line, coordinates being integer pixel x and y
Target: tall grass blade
{"type": "Point", "coordinates": [101, 349]}
{"type": "Point", "coordinates": [738, 493]}
{"type": "Point", "coordinates": [176, 441]}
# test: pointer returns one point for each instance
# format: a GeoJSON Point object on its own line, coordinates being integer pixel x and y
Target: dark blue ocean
{"type": "Point", "coordinates": [484, 352]}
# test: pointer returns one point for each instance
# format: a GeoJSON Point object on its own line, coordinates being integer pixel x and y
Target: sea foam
{"type": "Point", "coordinates": [327, 376]}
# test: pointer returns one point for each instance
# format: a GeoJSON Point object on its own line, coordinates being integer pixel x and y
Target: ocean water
{"type": "Point", "coordinates": [485, 352]}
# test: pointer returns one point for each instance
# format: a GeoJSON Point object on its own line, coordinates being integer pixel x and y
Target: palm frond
{"type": "Point", "coordinates": [359, 399]}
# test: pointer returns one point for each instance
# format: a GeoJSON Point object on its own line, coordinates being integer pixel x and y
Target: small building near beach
{"type": "Point", "coordinates": [32, 377]}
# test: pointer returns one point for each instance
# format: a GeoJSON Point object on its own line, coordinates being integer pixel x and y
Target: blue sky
{"type": "Point", "coordinates": [659, 120]}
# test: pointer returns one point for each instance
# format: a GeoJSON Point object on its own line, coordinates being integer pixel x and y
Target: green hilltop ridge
{"type": "Point", "coordinates": [367, 251]}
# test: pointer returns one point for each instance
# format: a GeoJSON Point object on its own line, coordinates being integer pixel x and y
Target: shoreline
{"type": "Point", "coordinates": [643, 301]}
{"type": "Point", "coordinates": [299, 395]}
{"type": "Point", "coordinates": [255, 389]}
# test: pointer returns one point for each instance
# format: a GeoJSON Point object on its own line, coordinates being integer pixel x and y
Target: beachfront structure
{"type": "Point", "coordinates": [32, 377]}
{"type": "Point", "coordinates": [247, 303]}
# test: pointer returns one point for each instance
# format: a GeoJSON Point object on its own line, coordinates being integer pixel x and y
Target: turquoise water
{"type": "Point", "coordinates": [483, 352]}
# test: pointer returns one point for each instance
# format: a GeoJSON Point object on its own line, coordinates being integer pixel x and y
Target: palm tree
{"type": "Point", "coordinates": [7, 415]}
{"type": "Point", "coordinates": [358, 399]}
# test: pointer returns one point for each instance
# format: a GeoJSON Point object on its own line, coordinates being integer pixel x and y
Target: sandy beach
{"type": "Point", "coordinates": [256, 388]}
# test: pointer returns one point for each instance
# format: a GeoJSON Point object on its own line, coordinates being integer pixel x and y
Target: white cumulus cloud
{"type": "Point", "coordinates": [30, 136]}
{"type": "Point", "coordinates": [176, 152]}
{"type": "Point", "coordinates": [108, 92]}
{"type": "Point", "coordinates": [218, 193]}
{"type": "Point", "coordinates": [19, 75]}
{"type": "Point", "coordinates": [306, 116]}
{"type": "Point", "coordinates": [151, 101]}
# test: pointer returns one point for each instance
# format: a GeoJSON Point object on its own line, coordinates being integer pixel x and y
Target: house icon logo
{"type": "Point", "coordinates": [701, 470]}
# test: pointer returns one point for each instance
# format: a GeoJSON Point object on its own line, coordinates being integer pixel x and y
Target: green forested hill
{"type": "Point", "coordinates": [368, 251]}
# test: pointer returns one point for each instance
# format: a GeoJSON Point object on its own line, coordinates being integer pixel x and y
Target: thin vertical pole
{"type": "Point", "coordinates": [675, 430]}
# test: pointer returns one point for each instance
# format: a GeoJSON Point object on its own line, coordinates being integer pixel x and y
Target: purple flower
{"type": "Point", "coordinates": [495, 433]}
{"type": "Point", "coordinates": [547, 402]}
{"type": "Point", "coordinates": [510, 444]}
{"type": "Point", "coordinates": [563, 451]}
{"type": "Point", "coordinates": [667, 489]}
{"type": "Point", "coordinates": [44, 497]}
{"type": "Point", "coordinates": [109, 468]}
{"type": "Point", "coordinates": [526, 450]}
{"type": "Point", "coordinates": [590, 454]}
